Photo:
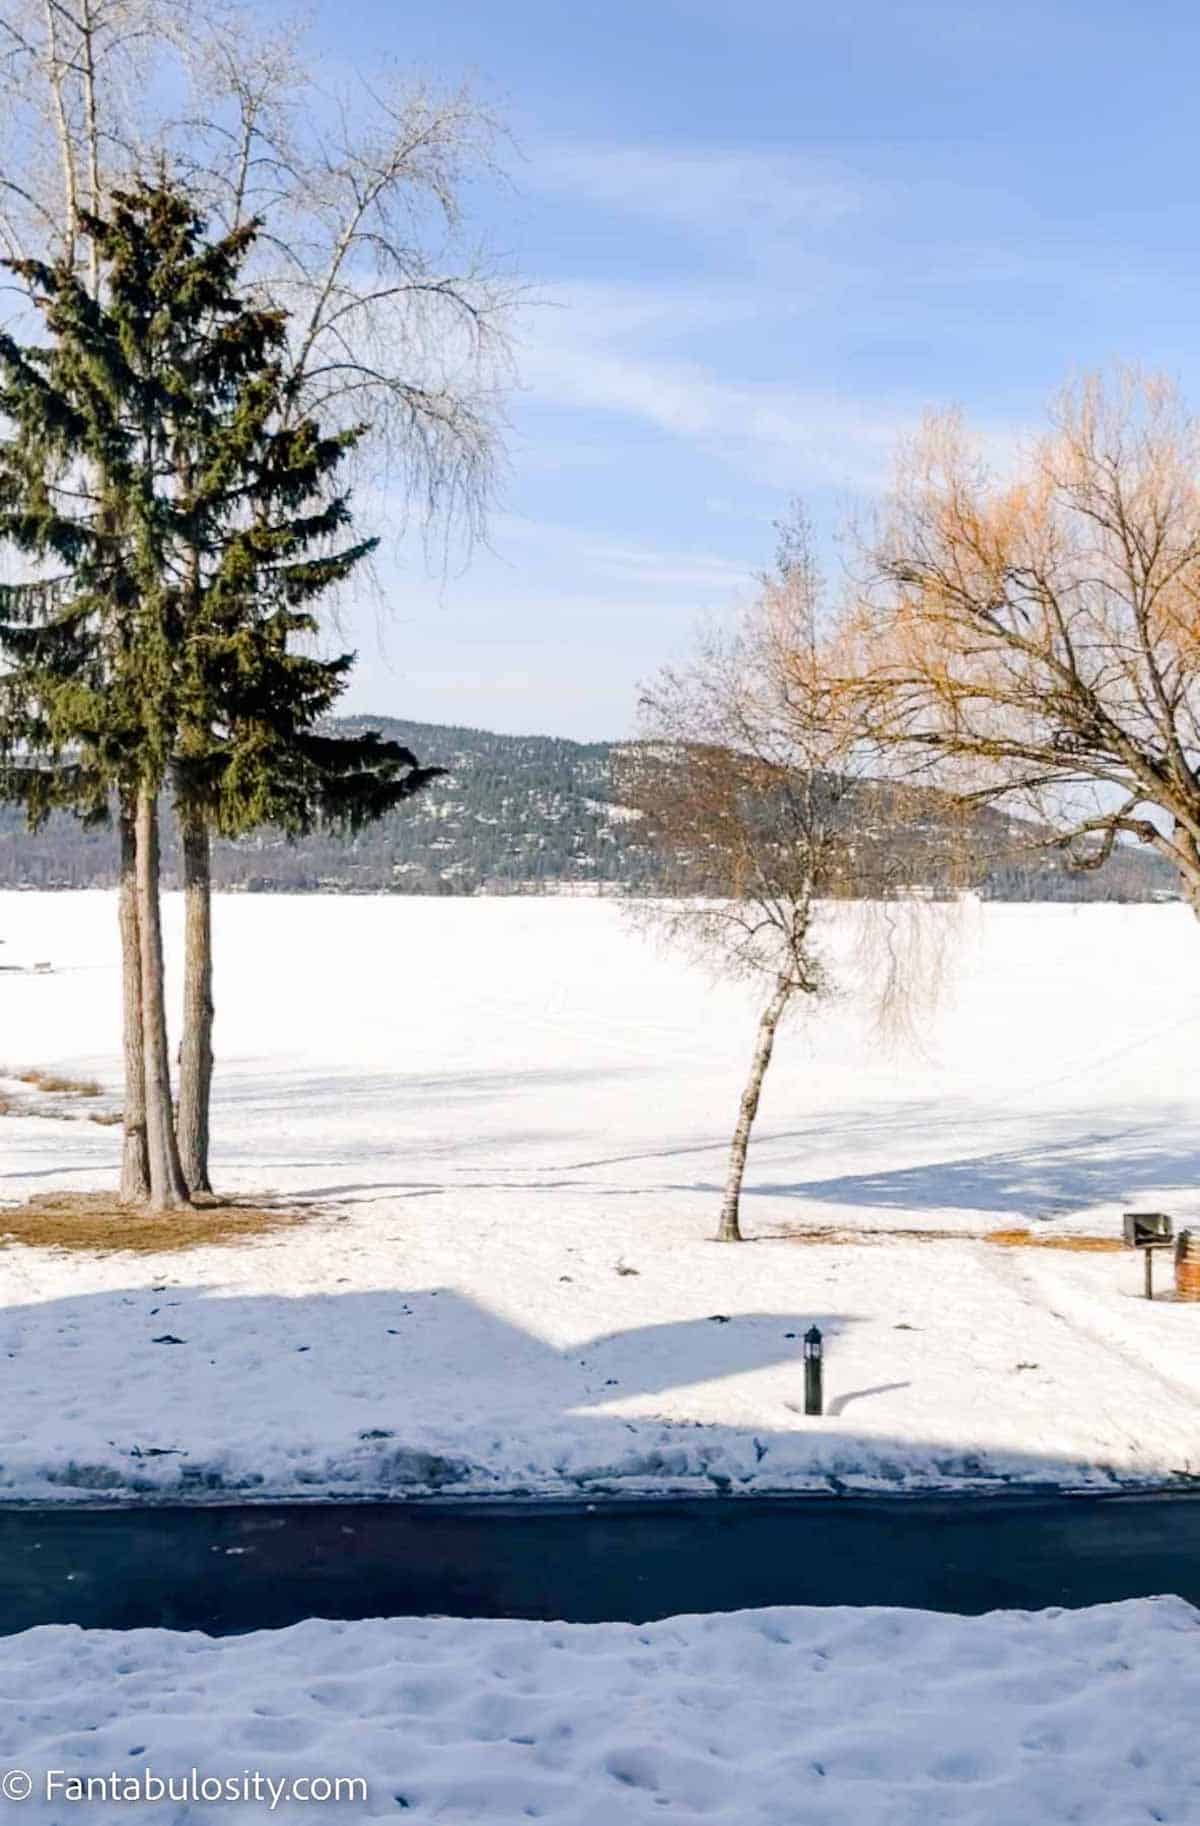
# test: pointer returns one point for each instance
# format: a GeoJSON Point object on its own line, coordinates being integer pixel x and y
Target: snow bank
{"type": "Point", "coordinates": [761, 1718]}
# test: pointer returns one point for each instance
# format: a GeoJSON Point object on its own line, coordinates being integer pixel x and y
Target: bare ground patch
{"type": "Point", "coordinates": [98, 1222]}
{"type": "Point", "coordinates": [830, 1234]}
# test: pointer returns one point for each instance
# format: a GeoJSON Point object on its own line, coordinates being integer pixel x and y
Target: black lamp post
{"type": "Point", "coordinates": [813, 1372]}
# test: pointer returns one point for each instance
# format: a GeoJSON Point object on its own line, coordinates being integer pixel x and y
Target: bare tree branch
{"type": "Point", "coordinates": [401, 324]}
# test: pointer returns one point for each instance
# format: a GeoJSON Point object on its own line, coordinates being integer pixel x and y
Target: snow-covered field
{"type": "Point", "coordinates": [512, 1117]}
{"type": "Point", "coordinates": [761, 1718]}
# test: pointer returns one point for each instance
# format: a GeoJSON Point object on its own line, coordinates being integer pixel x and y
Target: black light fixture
{"type": "Point", "coordinates": [813, 1372]}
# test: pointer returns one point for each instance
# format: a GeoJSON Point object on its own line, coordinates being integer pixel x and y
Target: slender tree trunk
{"type": "Point", "coordinates": [196, 1051]}
{"type": "Point", "coordinates": [87, 59]}
{"type": "Point", "coordinates": [167, 1185]}
{"type": "Point", "coordinates": [135, 1170]}
{"type": "Point", "coordinates": [58, 65]}
{"type": "Point", "coordinates": [729, 1229]}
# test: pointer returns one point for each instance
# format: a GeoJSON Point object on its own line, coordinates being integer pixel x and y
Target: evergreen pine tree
{"type": "Point", "coordinates": [178, 528]}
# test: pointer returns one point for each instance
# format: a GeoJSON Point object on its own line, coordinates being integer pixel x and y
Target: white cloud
{"type": "Point", "coordinates": [701, 189]}
{"type": "Point", "coordinates": [616, 350]}
{"type": "Point", "coordinates": [779, 435]}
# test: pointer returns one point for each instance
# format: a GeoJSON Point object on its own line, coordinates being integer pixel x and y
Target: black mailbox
{"type": "Point", "coordinates": [1147, 1229]}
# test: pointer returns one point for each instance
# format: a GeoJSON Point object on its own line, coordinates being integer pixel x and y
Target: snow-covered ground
{"type": "Point", "coordinates": [512, 1116]}
{"type": "Point", "coordinates": [761, 1718]}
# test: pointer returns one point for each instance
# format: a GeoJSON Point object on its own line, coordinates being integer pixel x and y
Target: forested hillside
{"type": "Point", "coordinates": [515, 814]}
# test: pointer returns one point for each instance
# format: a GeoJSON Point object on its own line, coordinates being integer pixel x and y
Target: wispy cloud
{"type": "Point", "coordinates": [706, 189]}
{"type": "Point", "coordinates": [602, 360]}
{"type": "Point", "coordinates": [677, 358]}
{"type": "Point", "coordinates": [642, 571]}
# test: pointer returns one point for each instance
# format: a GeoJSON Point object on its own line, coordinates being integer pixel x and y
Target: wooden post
{"type": "Point", "coordinates": [1149, 1255]}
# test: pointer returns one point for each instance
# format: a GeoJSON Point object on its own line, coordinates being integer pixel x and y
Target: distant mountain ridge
{"type": "Point", "coordinates": [515, 814]}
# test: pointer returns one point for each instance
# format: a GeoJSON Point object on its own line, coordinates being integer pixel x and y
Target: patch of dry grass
{"type": "Point", "coordinates": [96, 1221]}
{"type": "Point", "coordinates": [53, 1083]}
{"type": "Point", "coordinates": [1079, 1245]}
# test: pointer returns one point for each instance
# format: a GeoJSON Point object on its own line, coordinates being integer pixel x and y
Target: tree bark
{"type": "Point", "coordinates": [168, 1189]}
{"type": "Point", "coordinates": [135, 1169]}
{"type": "Point", "coordinates": [196, 1051]}
{"type": "Point", "coordinates": [729, 1228]}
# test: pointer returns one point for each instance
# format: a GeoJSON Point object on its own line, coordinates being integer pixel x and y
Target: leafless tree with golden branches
{"type": "Point", "coordinates": [1033, 639]}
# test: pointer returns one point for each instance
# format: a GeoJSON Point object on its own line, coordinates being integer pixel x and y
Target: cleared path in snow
{"type": "Point", "coordinates": [230, 1569]}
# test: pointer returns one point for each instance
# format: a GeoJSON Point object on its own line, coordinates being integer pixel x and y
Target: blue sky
{"type": "Point", "coordinates": [763, 239]}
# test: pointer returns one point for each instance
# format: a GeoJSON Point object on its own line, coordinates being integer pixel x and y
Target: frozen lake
{"type": "Point", "coordinates": [511, 1119]}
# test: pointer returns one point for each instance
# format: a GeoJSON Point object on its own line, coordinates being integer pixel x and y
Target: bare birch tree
{"type": "Point", "coordinates": [399, 323]}
{"type": "Point", "coordinates": [747, 778]}
{"type": "Point", "coordinates": [1033, 640]}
